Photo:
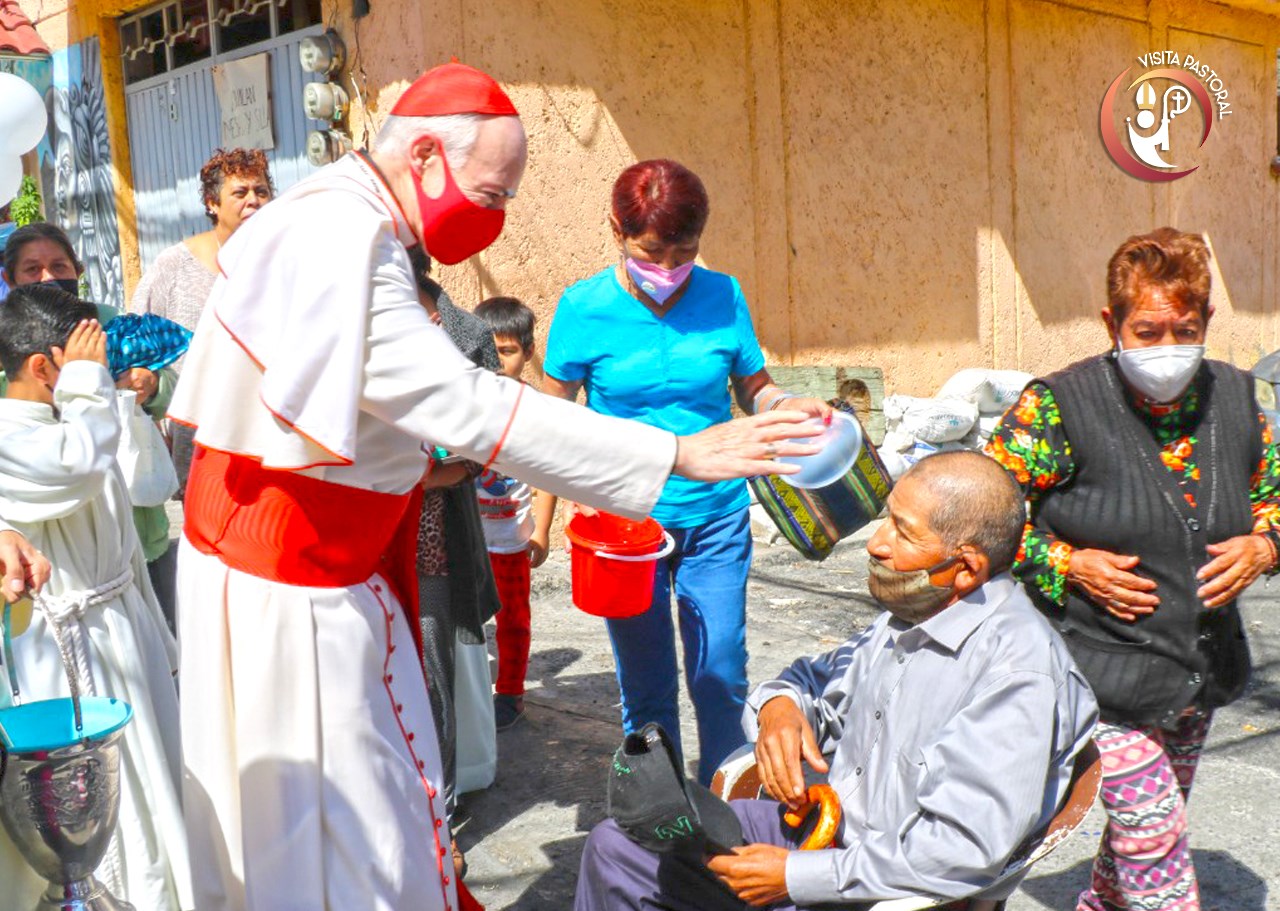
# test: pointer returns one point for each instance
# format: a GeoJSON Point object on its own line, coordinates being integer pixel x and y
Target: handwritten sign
{"type": "Point", "coordinates": [244, 100]}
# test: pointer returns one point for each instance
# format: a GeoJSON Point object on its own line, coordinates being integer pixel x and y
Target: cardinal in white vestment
{"type": "Point", "coordinates": [316, 383]}
{"type": "Point", "coordinates": [61, 487]}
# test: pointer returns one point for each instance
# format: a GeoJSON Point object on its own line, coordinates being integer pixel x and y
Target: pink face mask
{"type": "Point", "coordinates": [655, 281]}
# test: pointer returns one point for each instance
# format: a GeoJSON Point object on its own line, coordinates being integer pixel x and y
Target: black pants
{"type": "Point", "coordinates": [163, 571]}
{"type": "Point", "coordinates": [439, 637]}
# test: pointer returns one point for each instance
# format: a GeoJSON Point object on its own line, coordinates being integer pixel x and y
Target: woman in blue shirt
{"type": "Point", "coordinates": [659, 339]}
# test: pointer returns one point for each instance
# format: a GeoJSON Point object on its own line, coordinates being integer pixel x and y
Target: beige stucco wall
{"type": "Point", "coordinates": [913, 186]}
{"type": "Point", "coordinates": [1070, 207]}
{"type": "Point", "coordinates": [916, 186]}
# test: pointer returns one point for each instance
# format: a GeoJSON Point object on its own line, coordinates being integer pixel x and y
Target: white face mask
{"type": "Point", "coordinates": [1162, 373]}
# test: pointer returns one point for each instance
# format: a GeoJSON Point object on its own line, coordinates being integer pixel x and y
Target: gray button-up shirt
{"type": "Point", "coordinates": [953, 742]}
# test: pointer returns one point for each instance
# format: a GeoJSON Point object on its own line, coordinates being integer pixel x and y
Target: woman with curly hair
{"type": "Point", "coordinates": [234, 184]}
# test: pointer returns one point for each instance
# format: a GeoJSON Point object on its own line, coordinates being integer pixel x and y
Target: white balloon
{"type": "Point", "coordinates": [23, 119]}
{"type": "Point", "coordinates": [10, 177]}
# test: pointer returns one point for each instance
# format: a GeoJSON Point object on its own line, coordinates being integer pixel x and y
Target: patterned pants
{"type": "Point", "coordinates": [1144, 861]}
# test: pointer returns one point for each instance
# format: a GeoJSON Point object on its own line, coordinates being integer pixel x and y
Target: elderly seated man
{"type": "Point", "coordinates": [952, 723]}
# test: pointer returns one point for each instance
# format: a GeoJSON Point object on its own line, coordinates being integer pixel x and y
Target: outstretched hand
{"type": "Point", "coordinates": [745, 447]}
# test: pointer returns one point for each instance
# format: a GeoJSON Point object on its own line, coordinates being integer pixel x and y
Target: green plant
{"type": "Point", "coordinates": [26, 207]}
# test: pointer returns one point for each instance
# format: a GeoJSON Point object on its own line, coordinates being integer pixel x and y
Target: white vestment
{"type": "Point", "coordinates": [312, 769]}
{"type": "Point", "coordinates": [60, 486]}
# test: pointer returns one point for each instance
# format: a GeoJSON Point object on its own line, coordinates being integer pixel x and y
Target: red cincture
{"type": "Point", "coordinates": [287, 527]}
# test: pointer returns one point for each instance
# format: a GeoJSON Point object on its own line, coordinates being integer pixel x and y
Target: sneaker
{"type": "Point", "coordinates": [507, 710]}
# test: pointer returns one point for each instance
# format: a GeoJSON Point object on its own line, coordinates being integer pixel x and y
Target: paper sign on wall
{"type": "Point", "coordinates": [244, 100]}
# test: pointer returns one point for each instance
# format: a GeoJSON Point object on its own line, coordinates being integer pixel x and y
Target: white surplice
{"type": "Point", "coordinates": [61, 487]}
{"type": "Point", "coordinates": [312, 769]}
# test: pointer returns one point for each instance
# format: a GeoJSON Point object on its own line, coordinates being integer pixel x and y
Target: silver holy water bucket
{"type": "Point", "coordinates": [60, 788]}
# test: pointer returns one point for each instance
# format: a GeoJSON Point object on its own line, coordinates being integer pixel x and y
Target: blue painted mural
{"type": "Point", "coordinates": [75, 168]}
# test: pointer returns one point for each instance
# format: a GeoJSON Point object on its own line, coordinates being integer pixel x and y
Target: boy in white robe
{"type": "Point", "coordinates": [61, 487]}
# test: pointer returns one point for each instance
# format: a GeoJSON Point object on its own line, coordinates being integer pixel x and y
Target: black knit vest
{"type": "Point", "coordinates": [1123, 499]}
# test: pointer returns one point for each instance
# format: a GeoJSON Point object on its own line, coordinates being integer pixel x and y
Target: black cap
{"type": "Point", "coordinates": [658, 808]}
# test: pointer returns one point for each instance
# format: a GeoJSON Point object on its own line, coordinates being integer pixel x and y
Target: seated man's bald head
{"type": "Point", "coordinates": [975, 501]}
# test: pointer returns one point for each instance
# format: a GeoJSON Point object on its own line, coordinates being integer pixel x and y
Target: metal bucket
{"type": "Point", "coordinates": [60, 788]}
{"type": "Point", "coordinates": [814, 520]}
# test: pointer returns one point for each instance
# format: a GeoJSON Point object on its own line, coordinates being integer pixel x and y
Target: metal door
{"type": "Point", "coordinates": [174, 128]}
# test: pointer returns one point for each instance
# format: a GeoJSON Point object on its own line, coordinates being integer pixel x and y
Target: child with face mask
{"type": "Point", "coordinates": [61, 487]}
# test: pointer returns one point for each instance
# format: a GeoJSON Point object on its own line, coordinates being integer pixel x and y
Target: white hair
{"type": "Point", "coordinates": [456, 131]}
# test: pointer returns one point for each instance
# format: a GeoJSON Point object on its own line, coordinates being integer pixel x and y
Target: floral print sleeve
{"type": "Point", "coordinates": [1031, 443]}
{"type": "Point", "coordinates": [1264, 495]}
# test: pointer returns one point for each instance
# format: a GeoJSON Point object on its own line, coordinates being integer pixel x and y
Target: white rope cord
{"type": "Point", "coordinates": [64, 613]}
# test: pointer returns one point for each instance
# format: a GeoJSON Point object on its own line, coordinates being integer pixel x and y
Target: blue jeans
{"type": "Point", "coordinates": [708, 570]}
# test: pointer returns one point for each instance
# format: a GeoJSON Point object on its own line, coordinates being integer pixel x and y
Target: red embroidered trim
{"type": "Point", "coordinates": [341, 459]}
{"type": "Point", "coordinates": [436, 824]}
{"type": "Point", "coordinates": [364, 166]}
{"type": "Point", "coordinates": [493, 456]}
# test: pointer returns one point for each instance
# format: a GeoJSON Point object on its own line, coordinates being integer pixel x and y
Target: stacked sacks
{"type": "Point", "coordinates": [993, 391]}
{"type": "Point", "coordinates": [920, 427]}
{"type": "Point", "coordinates": [961, 416]}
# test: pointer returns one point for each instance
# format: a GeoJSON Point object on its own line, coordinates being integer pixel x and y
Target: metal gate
{"type": "Point", "coordinates": [174, 128]}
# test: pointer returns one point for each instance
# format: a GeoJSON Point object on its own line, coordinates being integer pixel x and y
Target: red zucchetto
{"type": "Point", "coordinates": [453, 88]}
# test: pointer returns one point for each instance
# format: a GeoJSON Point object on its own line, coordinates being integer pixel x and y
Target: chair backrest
{"type": "Point", "coordinates": [738, 778]}
{"type": "Point", "coordinates": [1082, 794]}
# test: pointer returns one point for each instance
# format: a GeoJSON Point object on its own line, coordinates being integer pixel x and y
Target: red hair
{"type": "Point", "coordinates": [662, 196]}
{"type": "Point", "coordinates": [1166, 259]}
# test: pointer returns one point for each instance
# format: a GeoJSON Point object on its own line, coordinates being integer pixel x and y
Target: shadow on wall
{"type": "Point", "coordinates": [857, 201]}
{"type": "Point", "coordinates": [1075, 287]}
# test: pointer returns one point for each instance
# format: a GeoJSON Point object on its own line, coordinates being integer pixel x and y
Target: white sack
{"type": "Point", "coordinates": [993, 391]}
{"type": "Point", "coordinates": [930, 420]}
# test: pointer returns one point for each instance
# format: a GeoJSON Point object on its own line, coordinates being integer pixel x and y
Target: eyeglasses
{"type": "Point", "coordinates": [490, 199]}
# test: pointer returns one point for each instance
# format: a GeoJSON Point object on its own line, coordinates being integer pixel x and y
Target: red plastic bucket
{"type": "Point", "coordinates": [613, 561]}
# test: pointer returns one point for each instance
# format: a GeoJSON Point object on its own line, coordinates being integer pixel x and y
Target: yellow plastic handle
{"type": "Point", "coordinates": [19, 616]}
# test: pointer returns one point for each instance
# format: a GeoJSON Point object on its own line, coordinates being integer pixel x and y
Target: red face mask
{"type": "Point", "coordinates": [453, 227]}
